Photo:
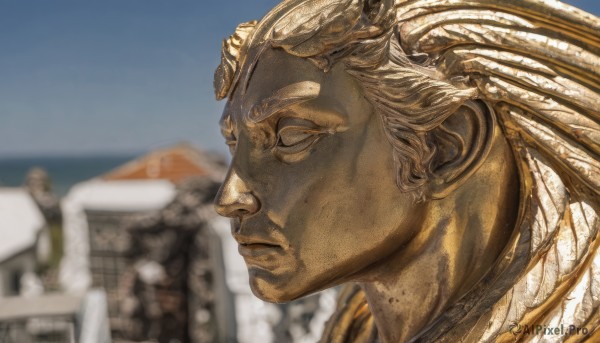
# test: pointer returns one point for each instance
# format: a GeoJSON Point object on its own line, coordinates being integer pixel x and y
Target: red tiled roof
{"type": "Point", "coordinates": [175, 164]}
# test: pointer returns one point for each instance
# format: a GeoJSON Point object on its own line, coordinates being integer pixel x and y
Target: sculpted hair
{"type": "Point", "coordinates": [410, 101]}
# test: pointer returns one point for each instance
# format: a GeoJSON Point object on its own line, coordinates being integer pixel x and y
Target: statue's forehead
{"type": "Point", "coordinates": [275, 70]}
{"type": "Point", "coordinates": [280, 81]}
{"type": "Point", "coordinates": [275, 79]}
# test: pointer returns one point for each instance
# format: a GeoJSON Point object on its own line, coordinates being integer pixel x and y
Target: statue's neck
{"type": "Point", "coordinates": [407, 293]}
{"type": "Point", "coordinates": [461, 238]}
{"type": "Point", "coordinates": [445, 260]}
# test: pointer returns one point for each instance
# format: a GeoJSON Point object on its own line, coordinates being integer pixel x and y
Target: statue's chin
{"type": "Point", "coordinates": [274, 289]}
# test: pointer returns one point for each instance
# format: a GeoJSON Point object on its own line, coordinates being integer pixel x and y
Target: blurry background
{"type": "Point", "coordinates": [92, 84]}
{"type": "Point", "coordinates": [110, 155]}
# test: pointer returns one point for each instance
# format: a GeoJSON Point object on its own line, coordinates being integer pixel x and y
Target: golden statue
{"type": "Point", "coordinates": [440, 157]}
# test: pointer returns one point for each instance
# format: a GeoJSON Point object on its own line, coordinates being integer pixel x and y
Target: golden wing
{"type": "Point", "coordinates": [537, 62]}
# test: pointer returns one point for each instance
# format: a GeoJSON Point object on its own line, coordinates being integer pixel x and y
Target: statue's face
{"type": "Point", "coordinates": [312, 187]}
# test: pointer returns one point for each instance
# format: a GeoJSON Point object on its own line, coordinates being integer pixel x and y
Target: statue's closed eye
{"type": "Point", "coordinates": [231, 143]}
{"type": "Point", "coordinates": [295, 137]}
{"type": "Point", "coordinates": [227, 132]}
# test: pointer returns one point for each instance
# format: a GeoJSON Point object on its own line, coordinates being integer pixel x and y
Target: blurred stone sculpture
{"type": "Point", "coordinates": [439, 156]}
{"type": "Point", "coordinates": [172, 273]}
{"type": "Point", "coordinates": [39, 186]}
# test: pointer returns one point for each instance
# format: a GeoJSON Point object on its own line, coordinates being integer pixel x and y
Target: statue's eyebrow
{"type": "Point", "coordinates": [284, 97]}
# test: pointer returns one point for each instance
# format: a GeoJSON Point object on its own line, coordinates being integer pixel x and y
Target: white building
{"type": "Point", "coordinates": [24, 242]}
{"type": "Point", "coordinates": [96, 214]}
{"type": "Point", "coordinates": [97, 196]}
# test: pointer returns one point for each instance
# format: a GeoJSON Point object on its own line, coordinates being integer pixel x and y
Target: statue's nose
{"type": "Point", "coordinates": [234, 199]}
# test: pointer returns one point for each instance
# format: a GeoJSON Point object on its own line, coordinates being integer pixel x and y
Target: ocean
{"type": "Point", "coordinates": [64, 172]}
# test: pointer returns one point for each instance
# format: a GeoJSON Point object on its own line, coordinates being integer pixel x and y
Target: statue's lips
{"type": "Point", "coordinates": [255, 240]}
{"type": "Point", "coordinates": [262, 255]}
{"type": "Point", "coordinates": [259, 251]}
{"type": "Point", "coordinates": [261, 243]}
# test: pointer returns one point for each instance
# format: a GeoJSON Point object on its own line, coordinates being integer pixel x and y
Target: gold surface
{"type": "Point", "coordinates": [441, 157]}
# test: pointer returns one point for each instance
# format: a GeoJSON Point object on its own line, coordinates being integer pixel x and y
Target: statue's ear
{"type": "Point", "coordinates": [462, 143]}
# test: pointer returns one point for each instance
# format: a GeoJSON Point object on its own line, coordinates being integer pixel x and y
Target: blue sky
{"type": "Point", "coordinates": [116, 76]}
